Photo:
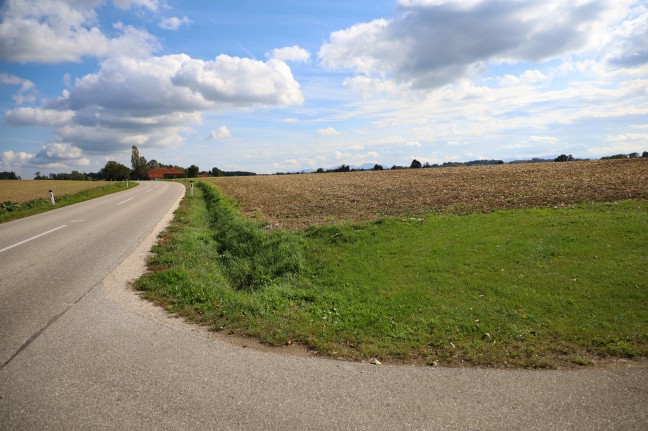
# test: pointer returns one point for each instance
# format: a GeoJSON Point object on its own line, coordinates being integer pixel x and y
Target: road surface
{"type": "Point", "coordinates": [80, 350]}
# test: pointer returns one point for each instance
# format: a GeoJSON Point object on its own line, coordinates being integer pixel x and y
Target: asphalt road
{"type": "Point", "coordinates": [79, 350]}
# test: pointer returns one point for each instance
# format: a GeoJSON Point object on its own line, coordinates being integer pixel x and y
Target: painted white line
{"type": "Point", "coordinates": [148, 190]}
{"type": "Point", "coordinates": [129, 199]}
{"type": "Point", "coordinates": [32, 238]}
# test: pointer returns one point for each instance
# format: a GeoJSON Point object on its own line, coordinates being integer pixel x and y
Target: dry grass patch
{"type": "Point", "coordinates": [25, 191]}
{"type": "Point", "coordinates": [299, 201]}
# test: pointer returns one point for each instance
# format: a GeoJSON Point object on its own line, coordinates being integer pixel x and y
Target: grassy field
{"type": "Point", "coordinates": [548, 287]}
{"type": "Point", "coordinates": [25, 198]}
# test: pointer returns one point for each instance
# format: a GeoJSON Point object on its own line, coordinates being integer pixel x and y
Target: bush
{"type": "Point", "coordinates": [8, 206]}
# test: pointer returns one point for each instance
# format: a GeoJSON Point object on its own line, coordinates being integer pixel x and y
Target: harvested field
{"type": "Point", "coordinates": [24, 191]}
{"type": "Point", "coordinates": [299, 201]}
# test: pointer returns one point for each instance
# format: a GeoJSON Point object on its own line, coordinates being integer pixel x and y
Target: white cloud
{"type": "Point", "coordinates": [151, 102]}
{"type": "Point", "coordinates": [173, 23]}
{"type": "Point", "coordinates": [329, 131]}
{"type": "Point", "coordinates": [290, 120]}
{"type": "Point", "coordinates": [27, 92]}
{"type": "Point", "coordinates": [57, 31]}
{"type": "Point", "coordinates": [290, 53]}
{"type": "Point", "coordinates": [52, 156]}
{"type": "Point", "coordinates": [240, 81]}
{"type": "Point", "coordinates": [12, 161]}
{"type": "Point", "coordinates": [152, 5]}
{"type": "Point", "coordinates": [432, 43]}
{"type": "Point", "coordinates": [39, 117]}
{"type": "Point", "coordinates": [413, 144]}
{"type": "Point", "coordinates": [222, 133]}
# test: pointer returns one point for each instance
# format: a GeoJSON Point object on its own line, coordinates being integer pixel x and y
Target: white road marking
{"type": "Point", "coordinates": [123, 202]}
{"type": "Point", "coordinates": [32, 238]}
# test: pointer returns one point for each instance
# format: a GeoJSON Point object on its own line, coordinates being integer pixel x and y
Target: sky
{"type": "Point", "coordinates": [292, 85]}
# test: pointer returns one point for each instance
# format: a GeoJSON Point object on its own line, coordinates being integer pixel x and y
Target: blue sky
{"type": "Point", "coordinates": [292, 85]}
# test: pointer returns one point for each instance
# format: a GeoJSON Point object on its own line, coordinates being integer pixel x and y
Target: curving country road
{"type": "Point", "coordinates": [79, 350]}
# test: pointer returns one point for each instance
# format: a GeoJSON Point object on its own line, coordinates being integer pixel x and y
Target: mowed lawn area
{"type": "Point", "coordinates": [554, 286]}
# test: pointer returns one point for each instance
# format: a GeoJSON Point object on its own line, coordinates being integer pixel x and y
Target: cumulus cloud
{"type": "Point", "coordinates": [413, 144]}
{"type": "Point", "coordinates": [57, 31]}
{"type": "Point", "coordinates": [27, 92]}
{"type": "Point", "coordinates": [290, 53]}
{"type": "Point", "coordinates": [629, 48]}
{"type": "Point", "coordinates": [14, 161]}
{"type": "Point", "coordinates": [329, 131]}
{"type": "Point", "coordinates": [152, 101]}
{"type": "Point", "coordinates": [240, 81]}
{"type": "Point", "coordinates": [173, 23]}
{"type": "Point", "coordinates": [39, 117]}
{"type": "Point", "coordinates": [433, 42]}
{"type": "Point", "coordinates": [222, 133]}
{"type": "Point", "coordinates": [59, 155]}
{"type": "Point", "coordinates": [152, 5]}
{"type": "Point", "coordinates": [52, 156]}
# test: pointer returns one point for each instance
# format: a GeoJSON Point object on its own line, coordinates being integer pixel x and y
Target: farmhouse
{"type": "Point", "coordinates": [165, 173]}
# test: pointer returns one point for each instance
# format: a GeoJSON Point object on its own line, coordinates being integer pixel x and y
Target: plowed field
{"type": "Point", "coordinates": [298, 201]}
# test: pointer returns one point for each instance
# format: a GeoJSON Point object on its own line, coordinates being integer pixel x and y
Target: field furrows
{"type": "Point", "coordinates": [298, 201]}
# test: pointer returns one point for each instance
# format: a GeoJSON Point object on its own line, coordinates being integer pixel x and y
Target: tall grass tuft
{"type": "Point", "coordinates": [251, 257]}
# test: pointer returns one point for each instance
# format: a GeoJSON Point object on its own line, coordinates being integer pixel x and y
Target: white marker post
{"type": "Point", "coordinates": [126, 183]}
{"type": "Point", "coordinates": [191, 188]}
{"type": "Point", "coordinates": [51, 193]}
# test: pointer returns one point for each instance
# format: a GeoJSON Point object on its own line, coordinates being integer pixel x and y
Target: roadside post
{"type": "Point", "coordinates": [126, 182]}
{"type": "Point", "coordinates": [191, 188]}
{"type": "Point", "coordinates": [51, 193]}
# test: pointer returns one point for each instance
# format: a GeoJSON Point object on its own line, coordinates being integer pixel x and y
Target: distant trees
{"type": "Point", "coordinates": [415, 164]}
{"type": "Point", "coordinates": [8, 176]}
{"type": "Point", "coordinates": [153, 164]}
{"type": "Point", "coordinates": [342, 168]}
{"type": "Point", "coordinates": [140, 168]}
{"type": "Point", "coordinates": [72, 176]}
{"type": "Point", "coordinates": [564, 158]}
{"type": "Point", "coordinates": [192, 172]}
{"type": "Point", "coordinates": [114, 171]}
{"type": "Point", "coordinates": [378, 167]}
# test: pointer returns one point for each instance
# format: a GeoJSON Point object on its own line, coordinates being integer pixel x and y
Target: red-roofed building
{"type": "Point", "coordinates": [165, 173]}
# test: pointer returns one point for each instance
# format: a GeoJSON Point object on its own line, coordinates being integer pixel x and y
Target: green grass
{"type": "Point", "coordinates": [13, 210]}
{"type": "Point", "coordinates": [531, 288]}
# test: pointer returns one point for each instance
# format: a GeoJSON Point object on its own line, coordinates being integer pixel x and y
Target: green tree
{"type": "Point", "coordinates": [217, 172]}
{"type": "Point", "coordinates": [415, 164]}
{"type": "Point", "coordinates": [8, 176]}
{"type": "Point", "coordinates": [138, 163]}
{"type": "Point", "coordinates": [114, 171]}
{"type": "Point", "coordinates": [153, 164]}
{"type": "Point", "coordinates": [192, 171]}
{"type": "Point", "coordinates": [564, 158]}
{"type": "Point", "coordinates": [378, 167]}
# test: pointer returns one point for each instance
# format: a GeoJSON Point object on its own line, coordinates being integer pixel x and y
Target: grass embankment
{"type": "Point", "coordinates": [532, 288]}
{"type": "Point", "coordinates": [17, 197]}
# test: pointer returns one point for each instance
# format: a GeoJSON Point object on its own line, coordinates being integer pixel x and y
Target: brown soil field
{"type": "Point", "coordinates": [24, 191]}
{"type": "Point", "coordinates": [299, 201]}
